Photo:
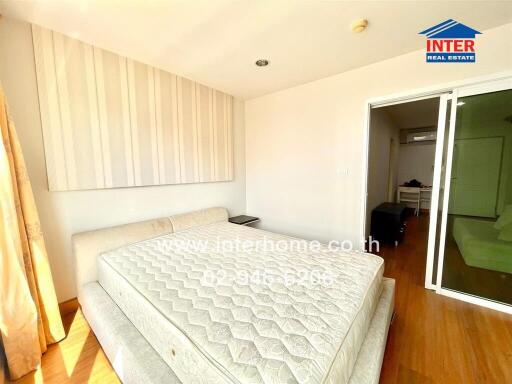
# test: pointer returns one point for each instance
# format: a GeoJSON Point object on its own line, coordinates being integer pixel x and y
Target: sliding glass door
{"type": "Point", "coordinates": [473, 243]}
{"type": "Point", "coordinates": [436, 207]}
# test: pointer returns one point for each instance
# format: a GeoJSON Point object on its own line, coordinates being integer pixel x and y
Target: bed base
{"type": "Point", "coordinates": [135, 361]}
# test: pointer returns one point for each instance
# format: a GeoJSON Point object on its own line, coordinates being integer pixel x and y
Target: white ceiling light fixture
{"type": "Point", "coordinates": [262, 62]}
{"type": "Point", "coordinates": [460, 103]}
{"type": "Point", "coordinates": [359, 25]}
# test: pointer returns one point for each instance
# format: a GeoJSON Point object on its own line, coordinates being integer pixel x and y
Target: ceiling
{"type": "Point", "coordinates": [415, 114]}
{"type": "Point", "coordinates": [217, 42]}
{"type": "Point", "coordinates": [488, 108]}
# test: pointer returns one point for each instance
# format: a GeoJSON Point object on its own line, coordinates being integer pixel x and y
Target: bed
{"type": "Point", "coordinates": [168, 304]}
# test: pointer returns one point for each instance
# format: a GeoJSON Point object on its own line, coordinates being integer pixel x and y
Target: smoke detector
{"type": "Point", "coordinates": [262, 62]}
{"type": "Point", "coordinates": [359, 25]}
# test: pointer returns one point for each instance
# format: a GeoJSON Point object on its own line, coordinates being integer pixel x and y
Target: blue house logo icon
{"type": "Point", "coordinates": [450, 42]}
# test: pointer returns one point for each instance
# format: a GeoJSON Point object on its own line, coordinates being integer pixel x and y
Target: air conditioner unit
{"type": "Point", "coordinates": [418, 137]}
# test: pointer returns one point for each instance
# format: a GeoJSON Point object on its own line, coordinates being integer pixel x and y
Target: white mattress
{"type": "Point", "coordinates": [233, 331]}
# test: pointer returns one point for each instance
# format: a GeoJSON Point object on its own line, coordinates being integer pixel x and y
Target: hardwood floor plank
{"type": "Point", "coordinates": [436, 339]}
{"type": "Point", "coordinates": [69, 306]}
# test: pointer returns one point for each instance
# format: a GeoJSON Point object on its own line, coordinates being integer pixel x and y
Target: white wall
{"type": "Point", "coordinates": [382, 130]}
{"type": "Point", "coordinates": [65, 213]}
{"type": "Point", "coordinates": [304, 145]}
{"type": "Point", "coordinates": [417, 162]}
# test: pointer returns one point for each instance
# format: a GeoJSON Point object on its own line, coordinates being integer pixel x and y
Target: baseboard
{"type": "Point", "coordinates": [69, 306]}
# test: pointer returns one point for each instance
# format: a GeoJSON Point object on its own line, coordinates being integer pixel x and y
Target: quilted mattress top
{"type": "Point", "coordinates": [282, 309]}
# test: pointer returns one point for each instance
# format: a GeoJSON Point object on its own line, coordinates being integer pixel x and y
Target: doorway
{"type": "Point", "coordinates": [469, 251]}
{"type": "Point", "coordinates": [402, 148]}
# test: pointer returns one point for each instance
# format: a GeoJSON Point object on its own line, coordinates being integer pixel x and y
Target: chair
{"type": "Point", "coordinates": [410, 195]}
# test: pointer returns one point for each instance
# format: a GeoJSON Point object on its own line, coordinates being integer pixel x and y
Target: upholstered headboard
{"type": "Point", "coordinates": [88, 245]}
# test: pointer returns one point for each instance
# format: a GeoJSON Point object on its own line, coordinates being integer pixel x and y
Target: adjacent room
{"type": "Point", "coordinates": [402, 147]}
{"type": "Point", "coordinates": [255, 192]}
{"type": "Point", "coordinates": [401, 160]}
{"type": "Point", "coordinates": [478, 253]}
{"type": "Point", "coordinates": [400, 186]}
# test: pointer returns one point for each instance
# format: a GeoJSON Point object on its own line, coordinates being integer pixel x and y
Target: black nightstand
{"type": "Point", "coordinates": [244, 220]}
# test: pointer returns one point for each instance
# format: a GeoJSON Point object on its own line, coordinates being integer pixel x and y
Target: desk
{"type": "Point", "coordinates": [414, 195]}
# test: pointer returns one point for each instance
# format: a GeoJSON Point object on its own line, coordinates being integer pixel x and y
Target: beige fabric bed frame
{"type": "Point", "coordinates": [133, 359]}
{"type": "Point", "coordinates": [88, 245]}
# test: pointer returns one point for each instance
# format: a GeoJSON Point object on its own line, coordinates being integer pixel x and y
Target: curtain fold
{"type": "Point", "coordinates": [29, 312]}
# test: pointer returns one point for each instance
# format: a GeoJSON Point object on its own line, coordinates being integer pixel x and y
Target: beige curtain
{"type": "Point", "coordinates": [29, 312]}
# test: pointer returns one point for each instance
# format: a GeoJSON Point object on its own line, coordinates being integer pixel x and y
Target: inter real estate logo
{"type": "Point", "coordinates": [450, 42]}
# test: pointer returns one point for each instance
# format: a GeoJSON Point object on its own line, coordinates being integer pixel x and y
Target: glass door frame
{"type": "Point", "coordinates": [475, 85]}
{"type": "Point", "coordinates": [436, 188]}
{"type": "Point", "coordinates": [488, 87]}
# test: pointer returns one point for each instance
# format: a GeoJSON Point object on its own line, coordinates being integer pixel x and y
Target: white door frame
{"type": "Point", "coordinates": [479, 83]}
{"type": "Point", "coordinates": [492, 86]}
{"type": "Point", "coordinates": [434, 201]}
{"type": "Point", "coordinates": [436, 187]}
{"type": "Point", "coordinates": [383, 102]}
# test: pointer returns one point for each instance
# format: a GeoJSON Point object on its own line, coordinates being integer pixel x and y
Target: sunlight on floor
{"type": "Point", "coordinates": [71, 347]}
{"type": "Point", "coordinates": [76, 359]}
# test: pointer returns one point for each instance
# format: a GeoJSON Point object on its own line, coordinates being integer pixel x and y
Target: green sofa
{"type": "Point", "coordinates": [479, 244]}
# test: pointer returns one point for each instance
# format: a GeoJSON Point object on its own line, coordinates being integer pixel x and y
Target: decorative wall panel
{"type": "Point", "coordinates": [109, 121]}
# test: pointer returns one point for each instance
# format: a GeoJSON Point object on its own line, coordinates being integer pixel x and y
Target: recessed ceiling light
{"type": "Point", "coordinates": [262, 63]}
{"type": "Point", "coordinates": [359, 25]}
{"type": "Point", "coordinates": [460, 103]}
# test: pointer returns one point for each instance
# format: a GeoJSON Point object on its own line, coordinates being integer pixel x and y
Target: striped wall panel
{"type": "Point", "coordinates": [111, 122]}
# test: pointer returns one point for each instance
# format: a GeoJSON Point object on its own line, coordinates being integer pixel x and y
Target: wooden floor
{"type": "Point", "coordinates": [76, 359]}
{"type": "Point", "coordinates": [433, 339]}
